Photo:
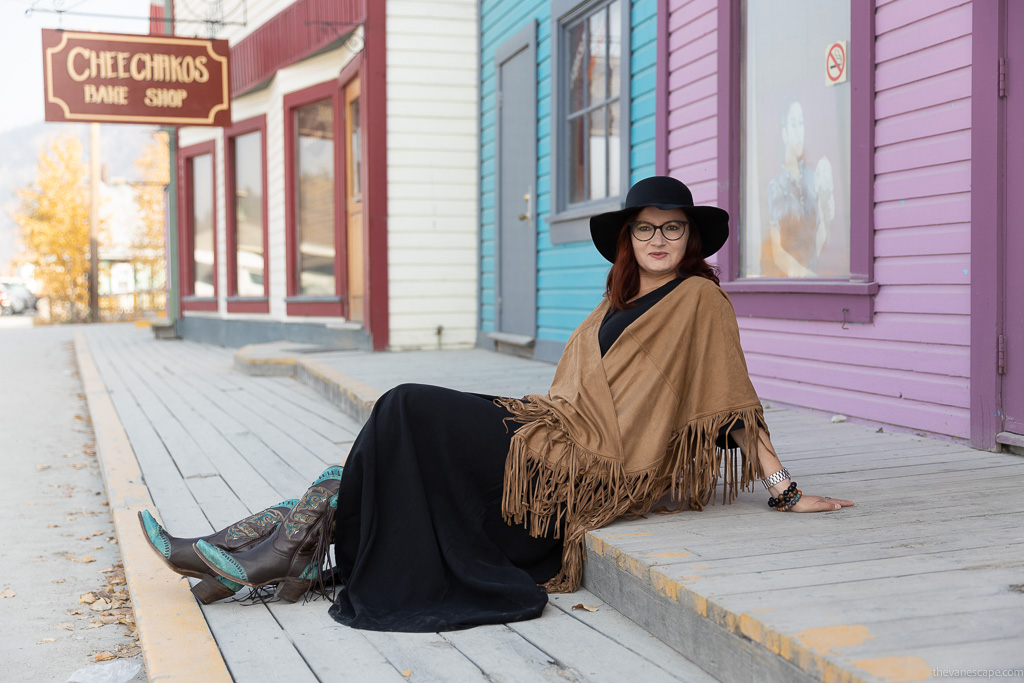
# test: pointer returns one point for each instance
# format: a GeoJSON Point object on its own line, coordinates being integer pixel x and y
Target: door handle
{"type": "Point", "coordinates": [526, 216]}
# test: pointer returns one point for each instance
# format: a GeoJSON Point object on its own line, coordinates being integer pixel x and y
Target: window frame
{"type": "Point", "coordinates": [186, 256]}
{"type": "Point", "coordinates": [236, 303]}
{"type": "Point", "coordinates": [825, 299]}
{"type": "Point", "coordinates": [573, 224]}
{"type": "Point", "coordinates": [297, 304]}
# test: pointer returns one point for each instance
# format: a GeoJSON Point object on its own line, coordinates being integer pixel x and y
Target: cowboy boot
{"type": "Point", "coordinates": [178, 554]}
{"type": "Point", "coordinates": [292, 557]}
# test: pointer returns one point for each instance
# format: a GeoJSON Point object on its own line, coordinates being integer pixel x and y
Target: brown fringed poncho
{"type": "Point", "coordinates": [615, 434]}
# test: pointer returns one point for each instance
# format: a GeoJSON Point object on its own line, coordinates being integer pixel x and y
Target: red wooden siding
{"type": "Point", "coordinates": [292, 35]}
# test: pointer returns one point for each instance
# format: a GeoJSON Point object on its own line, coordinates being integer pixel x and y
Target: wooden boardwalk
{"type": "Point", "coordinates": [924, 575]}
{"type": "Point", "coordinates": [215, 445]}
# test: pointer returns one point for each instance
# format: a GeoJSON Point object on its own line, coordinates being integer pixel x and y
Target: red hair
{"type": "Point", "coordinates": [624, 276]}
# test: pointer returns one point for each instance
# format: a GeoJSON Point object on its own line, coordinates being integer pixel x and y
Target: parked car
{"type": "Point", "coordinates": [9, 304]}
{"type": "Point", "coordinates": [18, 291]}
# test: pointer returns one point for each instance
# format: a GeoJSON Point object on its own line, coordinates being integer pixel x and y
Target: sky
{"type": "Point", "coordinates": [21, 51]}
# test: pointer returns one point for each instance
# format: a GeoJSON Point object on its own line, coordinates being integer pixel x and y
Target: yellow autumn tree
{"type": "Point", "coordinates": [153, 168]}
{"type": "Point", "coordinates": [53, 222]}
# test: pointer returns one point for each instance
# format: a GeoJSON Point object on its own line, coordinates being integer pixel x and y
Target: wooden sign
{"type": "Point", "coordinates": [116, 78]}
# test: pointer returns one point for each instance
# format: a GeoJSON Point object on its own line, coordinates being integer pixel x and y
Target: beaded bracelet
{"type": "Point", "coordinates": [793, 502]}
{"type": "Point", "coordinates": [784, 497]}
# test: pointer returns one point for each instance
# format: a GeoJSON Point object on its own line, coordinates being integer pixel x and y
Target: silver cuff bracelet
{"type": "Point", "coordinates": [777, 478]}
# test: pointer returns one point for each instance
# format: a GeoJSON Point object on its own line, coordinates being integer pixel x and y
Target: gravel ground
{"type": "Point", "coordinates": [63, 603]}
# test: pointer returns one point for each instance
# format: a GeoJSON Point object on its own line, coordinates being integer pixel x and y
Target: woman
{"type": "Point", "coordinates": [448, 514]}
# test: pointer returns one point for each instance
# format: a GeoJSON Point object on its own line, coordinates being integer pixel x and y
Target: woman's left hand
{"type": "Point", "coordinates": [820, 504]}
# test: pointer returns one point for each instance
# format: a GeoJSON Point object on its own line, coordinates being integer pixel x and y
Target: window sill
{"type": "Point", "coordinates": [248, 304]}
{"type": "Point", "coordinates": [195, 303]}
{"type": "Point", "coordinates": [324, 306]}
{"type": "Point", "coordinates": [573, 225]}
{"type": "Point", "coordinates": [823, 300]}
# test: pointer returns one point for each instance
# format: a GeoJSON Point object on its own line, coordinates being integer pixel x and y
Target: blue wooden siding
{"type": "Point", "coordinates": [570, 277]}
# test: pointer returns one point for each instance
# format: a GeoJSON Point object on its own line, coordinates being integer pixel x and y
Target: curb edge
{"type": "Point", "coordinates": [168, 618]}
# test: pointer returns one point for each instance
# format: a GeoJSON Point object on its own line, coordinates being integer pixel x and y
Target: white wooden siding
{"type": "Point", "coordinates": [432, 172]}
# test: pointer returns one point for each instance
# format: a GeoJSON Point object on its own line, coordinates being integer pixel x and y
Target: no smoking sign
{"type": "Point", "coordinates": [836, 68]}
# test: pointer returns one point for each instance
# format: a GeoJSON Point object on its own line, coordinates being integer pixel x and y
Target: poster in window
{"type": "Point", "coordinates": [795, 197]}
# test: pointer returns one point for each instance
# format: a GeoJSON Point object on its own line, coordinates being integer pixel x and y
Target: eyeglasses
{"type": "Point", "coordinates": [644, 231]}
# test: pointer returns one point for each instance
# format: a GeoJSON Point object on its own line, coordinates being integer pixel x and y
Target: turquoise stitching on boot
{"type": "Point", "coordinates": [229, 583]}
{"type": "Point", "coordinates": [290, 503]}
{"type": "Point", "coordinates": [157, 535]}
{"type": "Point", "coordinates": [221, 560]}
{"type": "Point", "coordinates": [333, 472]}
{"type": "Point", "coordinates": [309, 572]}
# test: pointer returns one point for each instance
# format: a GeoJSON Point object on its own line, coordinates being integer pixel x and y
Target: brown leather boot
{"type": "Point", "coordinates": [180, 556]}
{"type": "Point", "coordinates": [293, 556]}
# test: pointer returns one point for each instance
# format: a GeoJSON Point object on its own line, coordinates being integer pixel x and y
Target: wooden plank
{"type": "Point", "coordinates": [782, 554]}
{"type": "Point", "coordinates": [176, 506]}
{"type": "Point", "coordinates": [188, 457]}
{"type": "Point", "coordinates": [254, 646]}
{"type": "Point", "coordinates": [504, 655]}
{"type": "Point", "coordinates": [333, 652]}
{"type": "Point", "coordinates": [276, 438]}
{"type": "Point", "coordinates": [628, 634]}
{"type": "Point", "coordinates": [591, 654]}
{"type": "Point", "coordinates": [839, 574]}
{"type": "Point", "coordinates": [245, 480]}
{"type": "Point", "coordinates": [426, 656]}
{"type": "Point", "coordinates": [276, 473]}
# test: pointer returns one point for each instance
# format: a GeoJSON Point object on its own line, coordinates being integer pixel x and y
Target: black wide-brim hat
{"type": "Point", "coordinates": [661, 192]}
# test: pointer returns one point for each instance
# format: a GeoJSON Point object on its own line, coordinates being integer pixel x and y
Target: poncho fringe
{"type": "Point", "coordinates": [583, 491]}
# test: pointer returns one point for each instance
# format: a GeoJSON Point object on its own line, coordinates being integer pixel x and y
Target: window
{"type": "Point", "coordinates": [246, 216]}
{"type": "Point", "coordinates": [590, 131]}
{"type": "Point", "coordinates": [198, 246]}
{"type": "Point", "coordinates": [314, 192]}
{"type": "Point", "coordinates": [316, 267]}
{"type": "Point", "coordinates": [795, 155]}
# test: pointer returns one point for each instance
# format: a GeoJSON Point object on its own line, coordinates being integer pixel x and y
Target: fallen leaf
{"type": "Point", "coordinates": [86, 559]}
{"type": "Point", "coordinates": [105, 657]}
{"type": "Point", "coordinates": [95, 623]}
{"type": "Point", "coordinates": [84, 538]}
{"type": "Point", "coordinates": [48, 640]}
{"type": "Point", "coordinates": [74, 611]}
{"type": "Point", "coordinates": [108, 570]}
{"type": "Point", "coordinates": [79, 465]}
{"type": "Point", "coordinates": [100, 605]}
{"type": "Point", "coordinates": [58, 581]}
{"type": "Point", "coordinates": [589, 608]}
{"type": "Point", "coordinates": [99, 533]}
{"type": "Point", "coordinates": [53, 526]}
{"type": "Point", "coordinates": [7, 593]}
{"type": "Point", "coordinates": [42, 467]}
{"type": "Point", "coordinates": [66, 626]}
{"type": "Point", "coordinates": [407, 673]}
{"type": "Point", "coordinates": [87, 598]}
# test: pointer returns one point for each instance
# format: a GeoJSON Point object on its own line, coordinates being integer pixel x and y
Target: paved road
{"type": "Point", "coordinates": [56, 534]}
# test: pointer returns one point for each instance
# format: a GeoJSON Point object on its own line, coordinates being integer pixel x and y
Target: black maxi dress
{"type": "Point", "coordinates": [420, 543]}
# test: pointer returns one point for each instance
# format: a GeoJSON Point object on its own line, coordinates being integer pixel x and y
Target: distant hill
{"type": "Point", "coordinates": [120, 145]}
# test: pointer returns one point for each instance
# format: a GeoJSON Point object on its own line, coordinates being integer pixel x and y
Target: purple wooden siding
{"type": "Point", "coordinates": [909, 368]}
